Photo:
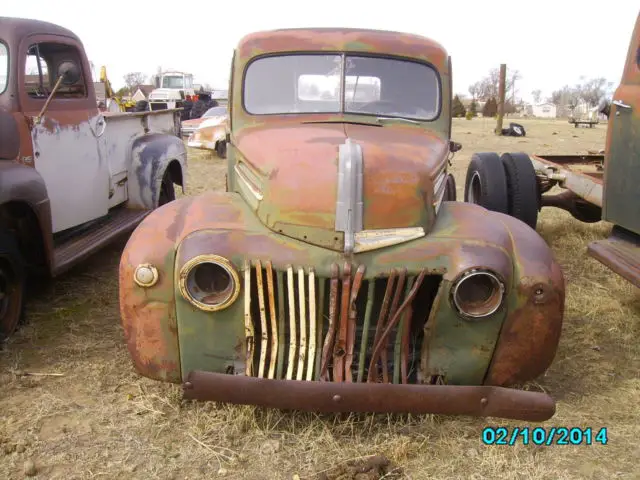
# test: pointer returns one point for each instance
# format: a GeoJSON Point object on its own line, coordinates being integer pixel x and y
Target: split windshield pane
{"type": "Point", "coordinates": [379, 86]}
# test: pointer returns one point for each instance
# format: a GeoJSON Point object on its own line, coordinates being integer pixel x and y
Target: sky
{"type": "Point", "coordinates": [551, 43]}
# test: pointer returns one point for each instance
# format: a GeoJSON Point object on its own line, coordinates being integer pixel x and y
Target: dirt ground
{"type": "Point", "coordinates": [99, 419]}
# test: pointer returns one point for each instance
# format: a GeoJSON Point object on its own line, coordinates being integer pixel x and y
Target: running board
{"type": "Point", "coordinates": [81, 246]}
{"type": "Point", "coordinates": [620, 252]}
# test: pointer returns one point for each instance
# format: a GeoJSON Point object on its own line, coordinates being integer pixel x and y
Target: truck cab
{"type": "Point", "coordinates": [72, 178]}
{"type": "Point", "coordinates": [621, 192]}
{"type": "Point", "coordinates": [171, 90]}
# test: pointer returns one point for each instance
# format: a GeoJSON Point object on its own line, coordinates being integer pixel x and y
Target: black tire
{"type": "Point", "coordinates": [518, 130]}
{"type": "Point", "coordinates": [522, 188]}
{"type": "Point", "coordinates": [141, 106]}
{"type": "Point", "coordinates": [450, 189]}
{"type": "Point", "coordinates": [12, 285]}
{"type": "Point", "coordinates": [486, 182]}
{"type": "Point", "coordinates": [167, 191]}
{"type": "Point", "coordinates": [221, 149]}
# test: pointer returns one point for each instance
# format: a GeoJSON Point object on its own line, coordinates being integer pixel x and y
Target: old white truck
{"type": "Point", "coordinates": [72, 178]}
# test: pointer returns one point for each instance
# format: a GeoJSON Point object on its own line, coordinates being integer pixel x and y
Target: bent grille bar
{"type": "Point", "coordinates": [363, 331]}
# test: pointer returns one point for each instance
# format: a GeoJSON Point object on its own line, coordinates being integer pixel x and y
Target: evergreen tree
{"type": "Point", "coordinates": [458, 109]}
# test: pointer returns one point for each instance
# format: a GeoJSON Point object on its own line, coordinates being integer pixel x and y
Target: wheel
{"type": "Point", "coordinates": [522, 188]}
{"type": "Point", "coordinates": [12, 285]}
{"type": "Point", "coordinates": [141, 106]}
{"type": "Point", "coordinates": [450, 189]}
{"type": "Point", "coordinates": [221, 149]}
{"type": "Point", "coordinates": [486, 183]}
{"type": "Point", "coordinates": [167, 191]}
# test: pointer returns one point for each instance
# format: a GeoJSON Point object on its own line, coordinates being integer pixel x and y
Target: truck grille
{"type": "Point", "coordinates": [299, 326]}
{"type": "Point", "coordinates": [158, 106]}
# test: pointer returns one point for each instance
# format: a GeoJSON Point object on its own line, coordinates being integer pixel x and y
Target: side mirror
{"type": "Point", "coordinates": [454, 146]}
{"type": "Point", "coordinates": [69, 72]}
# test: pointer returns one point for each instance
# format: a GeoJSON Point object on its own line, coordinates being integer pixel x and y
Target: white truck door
{"type": "Point", "coordinates": [65, 142]}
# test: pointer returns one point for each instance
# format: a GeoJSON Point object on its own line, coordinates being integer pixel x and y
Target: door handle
{"type": "Point", "coordinates": [101, 125]}
{"type": "Point", "coordinates": [621, 104]}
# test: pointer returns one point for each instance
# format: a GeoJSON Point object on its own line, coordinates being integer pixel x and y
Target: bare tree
{"type": "Point", "coordinates": [537, 95]}
{"type": "Point", "coordinates": [594, 89]}
{"type": "Point", "coordinates": [487, 87]}
{"type": "Point", "coordinates": [134, 79]}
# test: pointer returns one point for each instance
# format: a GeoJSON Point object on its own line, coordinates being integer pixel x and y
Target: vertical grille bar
{"type": "Point", "coordinates": [340, 348]}
{"type": "Point", "coordinates": [264, 333]}
{"type": "Point", "coordinates": [394, 307]}
{"type": "Point", "coordinates": [388, 293]}
{"type": "Point", "coordinates": [274, 322]}
{"type": "Point", "coordinates": [405, 328]}
{"type": "Point", "coordinates": [292, 323]}
{"type": "Point", "coordinates": [312, 324]}
{"type": "Point", "coordinates": [397, 347]}
{"type": "Point", "coordinates": [365, 329]}
{"type": "Point", "coordinates": [319, 332]}
{"type": "Point", "coordinates": [333, 313]}
{"type": "Point", "coordinates": [248, 322]}
{"type": "Point", "coordinates": [302, 300]}
{"type": "Point", "coordinates": [281, 325]}
{"type": "Point", "coordinates": [351, 324]}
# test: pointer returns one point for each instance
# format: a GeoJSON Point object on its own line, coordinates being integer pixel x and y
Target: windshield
{"type": "Point", "coordinates": [312, 83]}
{"type": "Point", "coordinates": [173, 81]}
{"type": "Point", "coordinates": [4, 67]}
{"type": "Point", "coordinates": [215, 112]}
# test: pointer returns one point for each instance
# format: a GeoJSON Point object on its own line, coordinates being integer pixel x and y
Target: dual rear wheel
{"type": "Point", "coordinates": [505, 184]}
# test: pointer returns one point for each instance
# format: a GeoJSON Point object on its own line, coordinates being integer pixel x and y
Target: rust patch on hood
{"type": "Point", "coordinates": [289, 158]}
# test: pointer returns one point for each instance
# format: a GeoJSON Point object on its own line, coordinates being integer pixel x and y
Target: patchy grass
{"type": "Point", "coordinates": [101, 420]}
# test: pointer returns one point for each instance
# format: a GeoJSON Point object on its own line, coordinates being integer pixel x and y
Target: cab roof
{"type": "Point", "coordinates": [341, 39]}
{"type": "Point", "coordinates": [13, 29]}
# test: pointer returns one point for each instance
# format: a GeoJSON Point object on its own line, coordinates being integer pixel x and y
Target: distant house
{"type": "Point", "coordinates": [142, 93]}
{"type": "Point", "coordinates": [544, 110]}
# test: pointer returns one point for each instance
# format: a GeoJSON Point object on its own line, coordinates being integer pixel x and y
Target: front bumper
{"type": "Point", "coordinates": [477, 401]}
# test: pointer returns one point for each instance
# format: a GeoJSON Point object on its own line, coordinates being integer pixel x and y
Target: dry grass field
{"type": "Point", "coordinates": [98, 419]}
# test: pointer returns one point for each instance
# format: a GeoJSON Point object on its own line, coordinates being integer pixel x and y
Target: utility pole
{"type": "Point", "coordinates": [501, 95]}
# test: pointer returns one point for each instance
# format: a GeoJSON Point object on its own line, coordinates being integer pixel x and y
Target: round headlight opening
{"type": "Point", "coordinates": [210, 282]}
{"type": "Point", "coordinates": [478, 294]}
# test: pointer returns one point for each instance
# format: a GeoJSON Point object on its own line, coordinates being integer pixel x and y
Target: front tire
{"type": "Point", "coordinates": [12, 285]}
{"type": "Point", "coordinates": [221, 149]}
{"type": "Point", "coordinates": [486, 182]}
{"type": "Point", "coordinates": [167, 190]}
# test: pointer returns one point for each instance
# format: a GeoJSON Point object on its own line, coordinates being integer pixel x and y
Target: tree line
{"type": "Point", "coordinates": [566, 99]}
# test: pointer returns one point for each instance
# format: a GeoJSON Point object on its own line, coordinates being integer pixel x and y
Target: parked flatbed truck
{"type": "Point", "coordinates": [72, 178]}
{"type": "Point", "coordinates": [596, 187]}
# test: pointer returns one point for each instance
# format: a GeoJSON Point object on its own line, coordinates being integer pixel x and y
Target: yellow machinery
{"type": "Point", "coordinates": [124, 106]}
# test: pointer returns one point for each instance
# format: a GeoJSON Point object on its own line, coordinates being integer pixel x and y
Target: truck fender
{"type": "Point", "coordinates": [151, 155]}
{"type": "Point", "coordinates": [24, 187]}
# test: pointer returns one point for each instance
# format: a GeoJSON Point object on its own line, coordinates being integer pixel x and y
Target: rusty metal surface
{"type": "Point", "coordinates": [531, 332]}
{"type": "Point", "coordinates": [621, 253]}
{"type": "Point", "coordinates": [482, 401]}
{"type": "Point", "coordinates": [582, 184]}
{"type": "Point", "coordinates": [621, 172]}
{"type": "Point", "coordinates": [206, 136]}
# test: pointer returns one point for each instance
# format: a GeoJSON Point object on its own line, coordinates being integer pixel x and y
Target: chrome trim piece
{"type": "Point", "coordinates": [350, 203]}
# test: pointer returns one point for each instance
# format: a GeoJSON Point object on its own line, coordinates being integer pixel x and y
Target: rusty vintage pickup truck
{"type": "Point", "coordinates": [334, 274]}
{"type": "Point", "coordinates": [72, 178]}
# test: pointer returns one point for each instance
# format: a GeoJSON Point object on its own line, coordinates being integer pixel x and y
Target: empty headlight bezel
{"type": "Point", "coordinates": [220, 261]}
{"type": "Point", "coordinates": [474, 273]}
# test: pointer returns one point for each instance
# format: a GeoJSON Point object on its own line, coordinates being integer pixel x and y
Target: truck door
{"type": "Point", "coordinates": [621, 202]}
{"type": "Point", "coordinates": [65, 141]}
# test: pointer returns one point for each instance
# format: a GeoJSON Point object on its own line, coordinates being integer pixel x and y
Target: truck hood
{"type": "Point", "coordinates": [300, 189]}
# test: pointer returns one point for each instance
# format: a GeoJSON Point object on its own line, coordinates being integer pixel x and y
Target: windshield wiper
{"type": "Point", "coordinates": [397, 119]}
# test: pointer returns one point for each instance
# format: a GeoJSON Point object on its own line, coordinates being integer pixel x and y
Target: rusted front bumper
{"type": "Point", "coordinates": [314, 396]}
